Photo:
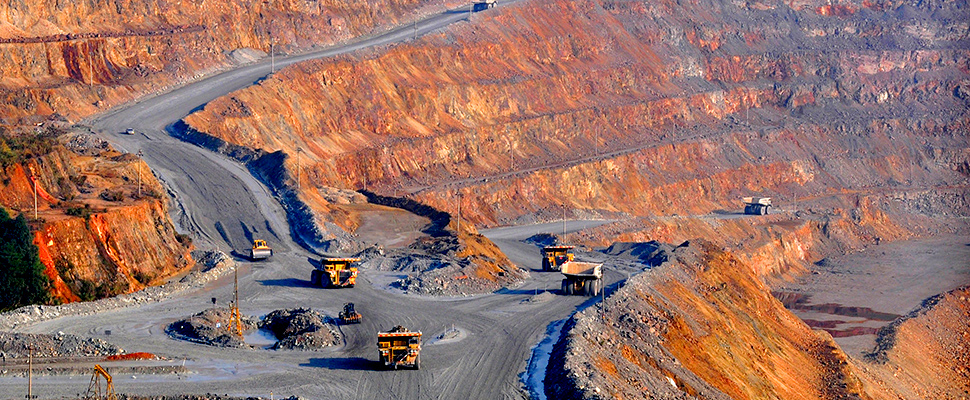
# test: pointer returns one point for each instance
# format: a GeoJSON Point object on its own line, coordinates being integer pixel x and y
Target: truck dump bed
{"type": "Point", "coordinates": [579, 269]}
{"type": "Point", "coordinates": [765, 201]}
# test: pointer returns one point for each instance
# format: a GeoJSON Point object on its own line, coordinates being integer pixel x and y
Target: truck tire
{"type": "Point", "coordinates": [764, 210]}
{"type": "Point", "coordinates": [564, 287]}
{"type": "Point", "coordinates": [417, 361]}
{"type": "Point", "coordinates": [570, 287]}
{"type": "Point", "coordinates": [597, 287]}
{"type": "Point", "coordinates": [315, 277]}
{"type": "Point", "coordinates": [545, 264]}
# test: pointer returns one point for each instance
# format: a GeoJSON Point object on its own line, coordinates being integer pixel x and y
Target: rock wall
{"type": "Point", "coordinates": [96, 236]}
{"type": "Point", "coordinates": [628, 108]}
{"type": "Point", "coordinates": [74, 59]}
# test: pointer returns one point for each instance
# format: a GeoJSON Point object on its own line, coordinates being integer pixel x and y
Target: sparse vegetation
{"type": "Point", "coordinates": [113, 195]}
{"type": "Point", "coordinates": [22, 279]}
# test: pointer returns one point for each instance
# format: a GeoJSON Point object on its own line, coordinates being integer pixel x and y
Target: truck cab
{"type": "Point", "coordinates": [399, 347]}
{"type": "Point", "coordinates": [335, 272]}
{"type": "Point", "coordinates": [553, 257]}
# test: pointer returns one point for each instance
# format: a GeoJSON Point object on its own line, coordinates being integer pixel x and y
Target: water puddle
{"type": "Point", "coordinates": [800, 305]}
{"type": "Point", "coordinates": [261, 338]}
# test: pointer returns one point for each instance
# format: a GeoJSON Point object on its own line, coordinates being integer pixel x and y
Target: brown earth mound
{"type": "Point", "coordinates": [699, 326]}
{"type": "Point", "coordinates": [926, 354]}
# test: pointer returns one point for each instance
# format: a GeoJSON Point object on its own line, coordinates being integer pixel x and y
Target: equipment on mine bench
{"type": "Point", "coordinates": [260, 250]}
{"type": "Point", "coordinates": [756, 205]}
{"type": "Point", "coordinates": [335, 273]}
{"type": "Point", "coordinates": [483, 5]}
{"type": "Point", "coordinates": [399, 347]}
{"type": "Point", "coordinates": [554, 256]}
{"type": "Point", "coordinates": [582, 278]}
{"type": "Point", "coordinates": [94, 389]}
{"type": "Point", "coordinates": [349, 315]}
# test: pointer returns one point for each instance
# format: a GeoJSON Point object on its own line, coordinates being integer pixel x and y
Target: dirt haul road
{"type": "Point", "coordinates": [224, 206]}
{"type": "Point", "coordinates": [217, 199]}
{"type": "Point", "coordinates": [482, 362]}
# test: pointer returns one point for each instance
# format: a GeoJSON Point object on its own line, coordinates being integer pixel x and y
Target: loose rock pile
{"type": "Point", "coordinates": [300, 329]}
{"type": "Point", "coordinates": [210, 327]}
{"type": "Point", "coordinates": [18, 345]}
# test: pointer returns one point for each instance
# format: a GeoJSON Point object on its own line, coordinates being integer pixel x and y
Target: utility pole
{"type": "Point", "coordinates": [30, 371]}
{"type": "Point", "coordinates": [298, 170]}
{"type": "Point", "coordinates": [140, 154]}
{"type": "Point", "coordinates": [272, 55]}
{"type": "Point", "coordinates": [564, 221]}
{"type": "Point", "coordinates": [34, 178]}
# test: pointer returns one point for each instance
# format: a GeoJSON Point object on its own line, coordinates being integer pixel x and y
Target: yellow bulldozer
{"type": "Point", "coordinates": [553, 257]}
{"type": "Point", "coordinates": [260, 250]}
{"type": "Point", "coordinates": [335, 273]}
{"type": "Point", "coordinates": [399, 347]}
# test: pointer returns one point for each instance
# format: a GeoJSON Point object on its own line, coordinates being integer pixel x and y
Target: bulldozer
{"type": "Point", "coordinates": [335, 273]}
{"type": "Point", "coordinates": [555, 256]}
{"type": "Point", "coordinates": [756, 205]}
{"type": "Point", "coordinates": [349, 315]}
{"type": "Point", "coordinates": [399, 347]}
{"type": "Point", "coordinates": [260, 250]}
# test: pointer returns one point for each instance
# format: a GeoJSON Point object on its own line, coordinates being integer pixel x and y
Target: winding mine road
{"type": "Point", "coordinates": [224, 207]}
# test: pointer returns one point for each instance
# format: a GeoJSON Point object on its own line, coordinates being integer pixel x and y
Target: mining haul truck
{"type": "Point", "coordinates": [582, 278]}
{"type": "Point", "coordinates": [260, 250]}
{"type": "Point", "coordinates": [399, 347]}
{"type": "Point", "coordinates": [483, 5]}
{"type": "Point", "coordinates": [554, 256]}
{"type": "Point", "coordinates": [756, 205]}
{"type": "Point", "coordinates": [349, 315]}
{"type": "Point", "coordinates": [335, 273]}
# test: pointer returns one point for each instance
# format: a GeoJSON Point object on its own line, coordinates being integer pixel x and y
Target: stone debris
{"type": "Point", "coordinates": [60, 344]}
{"type": "Point", "coordinates": [295, 329]}
{"type": "Point", "coordinates": [301, 329]}
{"type": "Point", "coordinates": [213, 265]}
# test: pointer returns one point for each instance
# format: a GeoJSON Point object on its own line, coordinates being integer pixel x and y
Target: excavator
{"type": "Point", "coordinates": [94, 389]}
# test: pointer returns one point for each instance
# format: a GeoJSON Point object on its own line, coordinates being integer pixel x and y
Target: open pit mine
{"type": "Point", "coordinates": [581, 199]}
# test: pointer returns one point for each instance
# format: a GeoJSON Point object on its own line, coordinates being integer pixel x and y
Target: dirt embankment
{"type": "Point", "coordinates": [701, 325]}
{"type": "Point", "coordinates": [73, 60]}
{"type": "Point", "coordinates": [103, 227]}
{"type": "Point", "coordinates": [926, 354]}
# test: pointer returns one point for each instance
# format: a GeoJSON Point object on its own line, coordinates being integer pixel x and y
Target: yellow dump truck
{"type": "Point", "coordinates": [399, 347]}
{"type": "Point", "coordinates": [335, 273]}
{"type": "Point", "coordinates": [582, 278]}
{"type": "Point", "coordinates": [260, 250]}
{"type": "Point", "coordinates": [554, 256]}
{"type": "Point", "coordinates": [756, 205]}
